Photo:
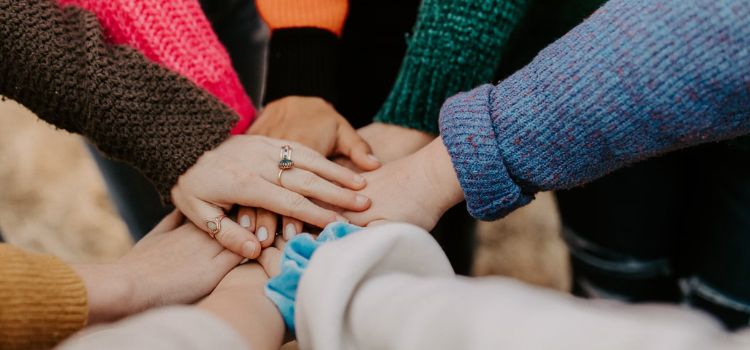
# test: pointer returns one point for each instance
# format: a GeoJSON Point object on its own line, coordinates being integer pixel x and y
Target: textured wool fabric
{"type": "Point", "coordinates": [637, 79]}
{"type": "Point", "coordinates": [282, 288]}
{"type": "Point", "coordinates": [42, 300]}
{"type": "Point", "coordinates": [176, 34]}
{"type": "Point", "coordinates": [56, 62]}
{"type": "Point", "coordinates": [456, 45]}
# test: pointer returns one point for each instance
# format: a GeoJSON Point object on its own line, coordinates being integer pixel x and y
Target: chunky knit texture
{"type": "Point", "coordinates": [57, 63]}
{"type": "Point", "coordinates": [456, 45]}
{"type": "Point", "coordinates": [42, 301]}
{"type": "Point", "coordinates": [176, 34]}
{"type": "Point", "coordinates": [637, 79]}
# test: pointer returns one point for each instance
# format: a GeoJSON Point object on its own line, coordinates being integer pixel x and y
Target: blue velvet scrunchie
{"type": "Point", "coordinates": [282, 289]}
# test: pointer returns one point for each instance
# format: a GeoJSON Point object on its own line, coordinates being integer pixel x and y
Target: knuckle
{"type": "Point", "coordinates": [309, 180]}
{"type": "Point", "coordinates": [296, 204]}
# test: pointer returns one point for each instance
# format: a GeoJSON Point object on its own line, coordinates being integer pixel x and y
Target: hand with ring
{"type": "Point", "coordinates": [246, 170]}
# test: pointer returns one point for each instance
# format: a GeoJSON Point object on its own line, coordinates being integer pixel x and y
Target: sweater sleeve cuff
{"type": "Point", "coordinates": [43, 300]}
{"type": "Point", "coordinates": [468, 134]}
{"type": "Point", "coordinates": [302, 62]}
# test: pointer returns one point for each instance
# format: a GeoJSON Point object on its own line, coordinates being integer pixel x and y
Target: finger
{"type": "Point", "coordinates": [226, 260]}
{"type": "Point", "coordinates": [307, 159]}
{"type": "Point", "coordinates": [169, 222]}
{"type": "Point", "coordinates": [291, 227]}
{"type": "Point", "coordinates": [270, 260]}
{"type": "Point", "coordinates": [356, 148]}
{"type": "Point", "coordinates": [230, 235]}
{"type": "Point", "coordinates": [313, 186]}
{"type": "Point", "coordinates": [284, 202]}
{"type": "Point", "coordinates": [265, 227]}
{"type": "Point", "coordinates": [246, 218]}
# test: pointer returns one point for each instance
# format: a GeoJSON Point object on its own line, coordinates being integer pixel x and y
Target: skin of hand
{"type": "Point", "coordinates": [417, 189]}
{"type": "Point", "coordinates": [173, 264]}
{"type": "Point", "coordinates": [243, 170]}
{"type": "Point", "coordinates": [391, 142]}
{"type": "Point", "coordinates": [240, 301]}
{"type": "Point", "coordinates": [315, 123]}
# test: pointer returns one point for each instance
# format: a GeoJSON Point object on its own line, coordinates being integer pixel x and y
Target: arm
{"type": "Point", "coordinates": [635, 80]}
{"type": "Point", "coordinates": [395, 290]}
{"type": "Point", "coordinates": [56, 62]}
{"type": "Point", "coordinates": [44, 300]}
{"type": "Point", "coordinates": [456, 45]}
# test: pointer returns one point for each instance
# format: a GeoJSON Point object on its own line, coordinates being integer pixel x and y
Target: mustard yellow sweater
{"type": "Point", "coordinates": [42, 300]}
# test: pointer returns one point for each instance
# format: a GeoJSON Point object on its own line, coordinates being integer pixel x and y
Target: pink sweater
{"type": "Point", "coordinates": [176, 34]}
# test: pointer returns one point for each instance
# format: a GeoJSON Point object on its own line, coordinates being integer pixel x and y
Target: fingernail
{"type": "Point", "coordinates": [248, 249]}
{"type": "Point", "coordinates": [340, 218]}
{"type": "Point", "coordinates": [262, 234]}
{"type": "Point", "coordinates": [244, 261]}
{"type": "Point", "coordinates": [372, 156]}
{"type": "Point", "coordinates": [359, 179]}
{"type": "Point", "coordinates": [362, 200]}
{"type": "Point", "coordinates": [245, 221]}
{"type": "Point", "coordinates": [289, 231]}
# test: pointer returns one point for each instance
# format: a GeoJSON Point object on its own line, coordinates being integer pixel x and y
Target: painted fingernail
{"type": "Point", "coordinates": [248, 249]}
{"type": "Point", "coordinates": [289, 231]}
{"type": "Point", "coordinates": [362, 200]}
{"type": "Point", "coordinates": [245, 221]}
{"type": "Point", "coordinates": [372, 156]}
{"type": "Point", "coordinates": [262, 234]}
{"type": "Point", "coordinates": [359, 179]}
{"type": "Point", "coordinates": [340, 218]}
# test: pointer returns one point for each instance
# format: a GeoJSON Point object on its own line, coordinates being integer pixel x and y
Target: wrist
{"type": "Point", "coordinates": [109, 291]}
{"type": "Point", "coordinates": [444, 188]}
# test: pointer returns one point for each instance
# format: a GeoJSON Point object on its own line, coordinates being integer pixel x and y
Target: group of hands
{"type": "Point", "coordinates": [379, 172]}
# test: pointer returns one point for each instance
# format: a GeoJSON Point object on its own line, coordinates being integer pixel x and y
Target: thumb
{"type": "Point", "coordinates": [353, 146]}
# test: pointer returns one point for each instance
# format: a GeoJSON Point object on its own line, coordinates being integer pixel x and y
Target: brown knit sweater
{"type": "Point", "coordinates": [42, 301]}
{"type": "Point", "coordinates": [56, 62]}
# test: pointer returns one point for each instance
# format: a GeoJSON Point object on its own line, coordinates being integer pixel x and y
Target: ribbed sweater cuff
{"type": "Point", "coordinates": [468, 133]}
{"type": "Point", "coordinates": [302, 62]}
{"type": "Point", "coordinates": [42, 301]}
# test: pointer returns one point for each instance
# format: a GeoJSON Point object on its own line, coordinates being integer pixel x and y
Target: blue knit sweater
{"type": "Point", "coordinates": [637, 79]}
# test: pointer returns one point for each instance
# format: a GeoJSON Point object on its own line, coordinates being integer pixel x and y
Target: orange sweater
{"type": "Point", "coordinates": [324, 14]}
{"type": "Point", "coordinates": [42, 300]}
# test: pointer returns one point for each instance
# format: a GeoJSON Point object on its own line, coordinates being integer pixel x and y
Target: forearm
{"type": "Point", "coordinates": [456, 45]}
{"type": "Point", "coordinates": [635, 80]}
{"type": "Point", "coordinates": [130, 108]}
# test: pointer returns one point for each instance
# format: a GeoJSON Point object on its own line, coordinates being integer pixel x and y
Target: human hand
{"type": "Point", "coordinates": [313, 122]}
{"type": "Point", "coordinates": [244, 170]}
{"type": "Point", "coordinates": [173, 264]}
{"type": "Point", "coordinates": [390, 142]}
{"type": "Point", "coordinates": [417, 189]}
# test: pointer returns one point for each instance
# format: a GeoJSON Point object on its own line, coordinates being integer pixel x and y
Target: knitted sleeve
{"type": "Point", "coordinates": [42, 301]}
{"type": "Point", "coordinates": [303, 51]}
{"type": "Point", "coordinates": [177, 35]}
{"type": "Point", "coordinates": [637, 79]}
{"type": "Point", "coordinates": [56, 62]}
{"type": "Point", "coordinates": [456, 45]}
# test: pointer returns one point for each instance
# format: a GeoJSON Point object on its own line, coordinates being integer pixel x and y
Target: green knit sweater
{"type": "Point", "coordinates": [455, 45]}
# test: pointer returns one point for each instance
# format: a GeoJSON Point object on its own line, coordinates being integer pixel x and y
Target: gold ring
{"type": "Point", "coordinates": [286, 161]}
{"type": "Point", "coordinates": [214, 225]}
{"type": "Point", "coordinates": [279, 177]}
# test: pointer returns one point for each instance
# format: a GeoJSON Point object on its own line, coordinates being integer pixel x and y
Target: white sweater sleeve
{"type": "Point", "coordinates": [167, 328]}
{"type": "Point", "coordinates": [391, 287]}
